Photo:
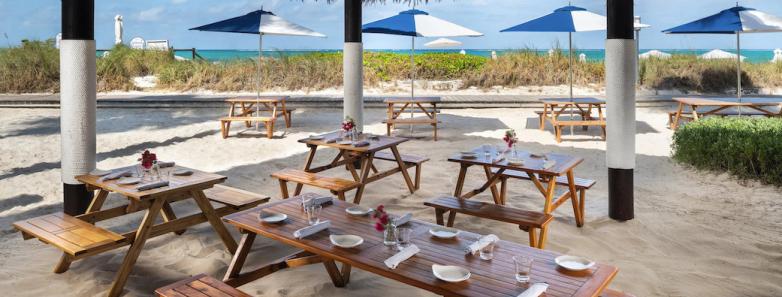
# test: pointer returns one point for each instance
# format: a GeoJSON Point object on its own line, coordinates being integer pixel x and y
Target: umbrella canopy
{"type": "Point", "coordinates": [734, 20]}
{"type": "Point", "coordinates": [564, 19]}
{"type": "Point", "coordinates": [777, 56]}
{"type": "Point", "coordinates": [417, 23]}
{"type": "Point", "coordinates": [719, 54]}
{"type": "Point", "coordinates": [442, 43]}
{"type": "Point", "coordinates": [655, 54]}
{"type": "Point", "coordinates": [259, 22]}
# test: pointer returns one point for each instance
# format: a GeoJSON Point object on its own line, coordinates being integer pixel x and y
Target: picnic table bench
{"type": "Point", "coordinates": [248, 110]}
{"type": "Point", "coordinates": [553, 109]}
{"type": "Point", "coordinates": [695, 108]}
{"type": "Point", "coordinates": [426, 106]}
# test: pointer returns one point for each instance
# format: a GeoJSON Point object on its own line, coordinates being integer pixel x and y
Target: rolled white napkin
{"type": "Point", "coordinates": [402, 255]}
{"type": "Point", "coordinates": [165, 164]}
{"type": "Point", "coordinates": [548, 164]}
{"type": "Point", "coordinates": [115, 175]}
{"type": "Point", "coordinates": [498, 159]}
{"type": "Point", "coordinates": [309, 230]}
{"type": "Point", "coordinates": [153, 185]}
{"type": "Point", "coordinates": [318, 201]}
{"type": "Point", "coordinates": [361, 143]}
{"type": "Point", "coordinates": [534, 290]}
{"type": "Point", "coordinates": [482, 242]}
{"type": "Point", "coordinates": [403, 219]}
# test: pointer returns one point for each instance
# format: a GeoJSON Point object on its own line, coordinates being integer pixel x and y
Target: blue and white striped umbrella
{"type": "Point", "coordinates": [417, 23]}
{"type": "Point", "coordinates": [735, 20]}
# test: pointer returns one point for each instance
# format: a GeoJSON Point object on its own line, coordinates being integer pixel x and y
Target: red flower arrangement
{"type": "Point", "coordinates": [348, 124]}
{"type": "Point", "coordinates": [147, 159]}
{"type": "Point", "coordinates": [381, 219]}
{"type": "Point", "coordinates": [510, 138]}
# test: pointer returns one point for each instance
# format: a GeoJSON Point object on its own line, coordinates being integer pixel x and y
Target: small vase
{"type": "Point", "coordinates": [155, 171]}
{"type": "Point", "coordinates": [390, 235]}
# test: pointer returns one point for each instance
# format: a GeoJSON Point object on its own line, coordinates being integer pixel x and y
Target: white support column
{"type": "Point", "coordinates": [353, 70]}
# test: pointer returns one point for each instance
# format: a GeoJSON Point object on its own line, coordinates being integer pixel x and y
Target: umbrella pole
{"type": "Point", "coordinates": [412, 79]}
{"type": "Point", "coordinates": [258, 83]}
{"type": "Point", "coordinates": [570, 61]}
{"type": "Point", "coordinates": [738, 67]}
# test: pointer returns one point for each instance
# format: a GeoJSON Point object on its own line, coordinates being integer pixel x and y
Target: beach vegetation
{"type": "Point", "coordinates": [749, 148]}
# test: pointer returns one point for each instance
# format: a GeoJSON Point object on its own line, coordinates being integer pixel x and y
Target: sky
{"type": "Point", "coordinates": [170, 19]}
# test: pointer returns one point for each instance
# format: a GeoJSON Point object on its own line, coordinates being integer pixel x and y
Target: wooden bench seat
{"type": "Point", "coordinates": [614, 293]}
{"type": "Point", "coordinates": [236, 198]}
{"type": "Point", "coordinates": [687, 115]}
{"type": "Point", "coordinates": [268, 122]}
{"type": "Point", "coordinates": [337, 186]}
{"type": "Point", "coordinates": [412, 121]}
{"type": "Point", "coordinates": [527, 220]}
{"type": "Point", "coordinates": [199, 286]}
{"type": "Point", "coordinates": [69, 234]}
{"type": "Point", "coordinates": [410, 160]}
{"type": "Point", "coordinates": [582, 185]}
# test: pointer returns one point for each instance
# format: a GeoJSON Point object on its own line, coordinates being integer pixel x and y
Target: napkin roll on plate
{"type": "Point", "coordinates": [115, 175]}
{"type": "Point", "coordinates": [165, 164]}
{"type": "Point", "coordinates": [322, 201]}
{"type": "Point", "coordinates": [153, 185]}
{"type": "Point", "coordinates": [482, 243]}
{"type": "Point", "coordinates": [403, 219]}
{"type": "Point", "coordinates": [309, 230]}
{"type": "Point", "coordinates": [361, 143]}
{"type": "Point", "coordinates": [534, 290]}
{"type": "Point", "coordinates": [402, 255]}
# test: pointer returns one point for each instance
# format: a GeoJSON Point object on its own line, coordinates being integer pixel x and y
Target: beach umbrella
{"type": "Point", "coordinates": [568, 19]}
{"type": "Point", "coordinates": [417, 23]}
{"type": "Point", "coordinates": [777, 56]}
{"type": "Point", "coordinates": [259, 22]}
{"type": "Point", "coordinates": [655, 54]}
{"type": "Point", "coordinates": [717, 54]}
{"type": "Point", "coordinates": [735, 20]}
{"type": "Point", "coordinates": [443, 43]}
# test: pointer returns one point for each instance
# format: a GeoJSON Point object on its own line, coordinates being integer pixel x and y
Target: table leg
{"type": "Point", "coordinates": [552, 185]}
{"type": "Point", "coordinates": [694, 113]}
{"type": "Point", "coordinates": [365, 169]}
{"type": "Point", "coordinates": [334, 273]}
{"type": "Point", "coordinates": [95, 205]}
{"type": "Point", "coordinates": [134, 251]}
{"type": "Point", "coordinates": [494, 193]}
{"type": "Point", "coordinates": [217, 225]}
{"type": "Point", "coordinates": [677, 117]}
{"type": "Point", "coordinates": [307, 166]}
{"type": "Point", "coordinates": [576, 209]}
{"type": "Point", "coordinates": [460, 181]}
{"type": "Point", "coordinates": [286, 115]}
{"type": "Point", "coordinates": [402, 167]}
{"type": "Point", "coordinates": [169, 215]}
{"type": "Point", "coordinates": [235, 268]}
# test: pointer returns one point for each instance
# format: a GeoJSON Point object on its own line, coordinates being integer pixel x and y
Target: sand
{"type": "Point", "coordinates": [695, 233]}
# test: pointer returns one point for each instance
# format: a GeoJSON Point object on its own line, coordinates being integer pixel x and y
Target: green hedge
{"type": "Point", "coordinates": [750, 148]}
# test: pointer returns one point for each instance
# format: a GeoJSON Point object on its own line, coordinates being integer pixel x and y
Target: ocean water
{"type": "Point", "coordinates": [753, 56]}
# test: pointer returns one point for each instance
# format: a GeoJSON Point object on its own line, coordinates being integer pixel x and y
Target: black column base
{"type": "Point", "coordinates": [76, 199]}
{"type": "Point", "coordinates": [620, 194]}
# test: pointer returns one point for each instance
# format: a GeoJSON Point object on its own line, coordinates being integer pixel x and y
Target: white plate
{"type": "Point", "coordinates": [358, 210]}
{"type": "Point", "coordinates": [128, 181]}
{"type": "Point", "coordinates": [451, 274]}
{"type": "Point", "coordinates": [574, 263]}
{"type": "Point", "coordinates": [443, 232]}
{"type": "Point", "coordinates": [346, 241]}
{"type": "Point", "coordinates": [182, 172]}
{"type": "Point", "coordinates": [271, 217]}
{"type": "Point", "coordinates": [100, 172]}
{"type": "Point", "coordinates": [316, 137]}
{"type": "Point", "coordinates": [345, 142]}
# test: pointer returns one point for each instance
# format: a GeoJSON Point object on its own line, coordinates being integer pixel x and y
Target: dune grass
{"type": "Point", "coordinates": [34, 67]}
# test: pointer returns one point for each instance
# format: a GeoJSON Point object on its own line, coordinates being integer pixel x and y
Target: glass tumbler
{"type": "Point", "coordinates": [313, 213]}
{"type": "Point", "coordinates": [523, 268]}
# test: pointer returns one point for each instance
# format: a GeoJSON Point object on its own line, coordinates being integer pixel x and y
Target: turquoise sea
{"type": "Point", "coordinates": [753, 55]}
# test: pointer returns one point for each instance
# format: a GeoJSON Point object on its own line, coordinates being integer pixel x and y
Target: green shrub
{"type": "Point", "coordinates": [32, 67]}
{"type": "Point", "coordinates": [750, 148]}
{"type": "Point", "coordinates": [116, 70]}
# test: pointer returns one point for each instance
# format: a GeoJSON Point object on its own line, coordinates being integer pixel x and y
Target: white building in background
{"type": "Point", "coordinates": [138, 43]}
{"type": "Point", "coordinates": [118, 28]}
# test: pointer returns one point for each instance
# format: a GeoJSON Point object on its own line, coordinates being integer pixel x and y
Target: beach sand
{"type": "Point", "coordinates": [694, 233]}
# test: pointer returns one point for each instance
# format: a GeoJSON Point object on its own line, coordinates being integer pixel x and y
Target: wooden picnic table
{"type": "Point", "coordinates": [489, 278]}
{"type": "Point", "coordinates": [251, 110]}
{"type": "Point", "coordinates": [719, 106]}
{"type": "Point", "coordinates": [156, 202]}
{"type": "Point", "coordinates": [553, 109]}
{"type": "Point", "coordinates": [348, 155]}
{"type": "Point", "coordinates": [397, 106]}
{"type": "Point", "coordinates": [544, 179]}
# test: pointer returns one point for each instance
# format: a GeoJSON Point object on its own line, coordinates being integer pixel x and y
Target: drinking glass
{"type": "Point", "coordinates": [523, 268]}
{"type": "Point", "coordinates": [487, 253]}
{"type": "Point", "coordinates": [313, 213]}
{"type": "Point", "coordinates": [486, 151]}
{"type": "Point", "coordinates": [404, 236]}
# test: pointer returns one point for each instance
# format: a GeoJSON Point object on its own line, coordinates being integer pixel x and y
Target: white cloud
{"type": "Point", "coordinates": [178, 1]}
{"type": "Point", "coordinates": [152, 14]}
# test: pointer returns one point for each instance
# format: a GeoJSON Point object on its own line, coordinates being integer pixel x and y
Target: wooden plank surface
{"type": "Point", "coordinates": [561, 180]}
{"type": "Point", "coordinates": [316, 180]}
{"type": "Point", "coordinates": [749, 101]}
{"type": "Point", "coordinates": [492, 211]}
{"type": "Point", "coordinates": [262, 99]}
{"type": "Point", "coordinates": [412, 100]}
{"type": "Point", "coordinates": [489, 278]}
{"type": "Point", "coordinates": [380, 143]}
{"type": "Point", "coordinates": [233, 196]}
{"type": "Point", "coordinates": [564, 163]}
{"type": "Point", "coordinates": [199, 286]}
{"type": "Point", "coordinates": [387, 156]}
{"type": "Point", "coordinates": [71, 235]}
{"type": "Point", "coordinates": [199, 180]}
{"type": "Point", "coordinates": [579, 100]}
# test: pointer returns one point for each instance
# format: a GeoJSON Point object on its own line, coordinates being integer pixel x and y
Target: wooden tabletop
{"type": "Point", "coordinates": [489, 278]}
{"type": "Point", "coordinates": [412, 100]}
{"type": "Point", "coordinates": [263, 99]}
{"type": "Point", "coordinates": [710, 101]}
{"type": "Point", "coordinates": [581, 100]}
{"type": "Point", "coordinates": [376, 142]}
{"type": "Point", "coordinates": [564, 163]}
{"type": "Point", "coordinates": [199, 180]}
